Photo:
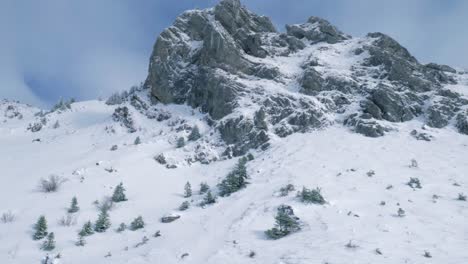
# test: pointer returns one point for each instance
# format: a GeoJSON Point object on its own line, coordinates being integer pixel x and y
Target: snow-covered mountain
{"type": "Point", "coordinates": [383, 137]}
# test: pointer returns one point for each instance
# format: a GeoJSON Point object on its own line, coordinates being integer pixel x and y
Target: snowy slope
{"type": "Point", "coordinates": [226, 232]}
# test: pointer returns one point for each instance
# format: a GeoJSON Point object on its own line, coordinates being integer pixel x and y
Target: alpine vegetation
{"type": "Point", "coordinates": [285, 223]}
{"type": "Point", "coordinates": [194, 134]}
{"type": "Point", "coordinates": [311, 196]}
{"type": "Point", "coordinates": [51, 184]}
{"type": "Point", "coordinates": [414, 183]}
{"type": "Point", "coordinates": [122, 227]}
{"type": "Point", "coordinates": [187, 190]}
{"type": "Point", "coordinates": [74, 206]}
{"type": "Point", "coordinates": [103, 222]}
{"type": "Point", "coordinates": [49, 243]}
{"type": "Point", "coordinates": [40, 228]}
{"type": "Point", "coordinates": [184, 206]}
{"type": "Point", "coordinates": [119, 194]}
{"type": "Point", "coordinates": [137, 223]}
{"type": "Point", "coordinates": [204, 187]}
{"type": "Point", "coordinates": [180, 142]}
{"type": "Point", "coordinates": [87, 229]}
{"type": "Point", "coordinates": [235, 180]}
{"type": "Point", "coordinates": [208, 199]}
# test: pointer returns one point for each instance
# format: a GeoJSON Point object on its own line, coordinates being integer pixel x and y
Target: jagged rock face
{"type": "Point", "coordinates": [255, 82]}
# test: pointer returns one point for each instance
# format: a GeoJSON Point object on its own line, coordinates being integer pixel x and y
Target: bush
{"type": "Point", "coordinates": [51, 184]}
{"type": "Point", "coordinates": [137, 223]}
{"type": "Point", "coordinates": [235, 180]}
{"type": "Point", "coordinates": [49, 243]}
{"type": "Point", "coordinates": [286, 223]}
{"type": "Point", "coordinates": [180, 142]}
{"type": "Point", "coordinates": [401, 212]}
{"type": "Point", "coordinates": [81, 241]}
{"type": "Point", "coordinates": [187, 190]}
{"type": "Point", "coordinates": [461, 197]}
{"type": "Point", "coordinates": [208, 199]}
{"type": "Point", "coordinates": [195, 134]}
{"type": "Point", "coordinates": [184, 206]}
{"type": "Point", "coordinates": [414, 183]}
{"type": "Point", "coordinates": [122, 227]}
{"type": "Point", "coordinates": [7, 217]}
{"type": "Point", "coordinates": [87, 229]}
{"type": "Point", "coordinates": [137, 141]}
{"type": "Point", "coordinates": [284, 191]}
{"type": "Point", "coordinates": [311, 196]}
{"type": "Point", "coordinates": [68, 220]}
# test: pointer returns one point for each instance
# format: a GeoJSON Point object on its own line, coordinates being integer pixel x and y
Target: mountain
{"type": "Point", "coordinates": [378, 140]}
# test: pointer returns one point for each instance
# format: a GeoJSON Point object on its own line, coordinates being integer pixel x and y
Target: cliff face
{"type": "Point", "coordinates": [255, 82]}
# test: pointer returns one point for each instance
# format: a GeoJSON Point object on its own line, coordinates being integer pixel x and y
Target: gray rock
{"type": "Point", "coordinates": [439, 114]}
{"type": "Point", "coordinates": [365, 125]}
{"type": "Point", "coordinates": [316, 30]}
{"type": "Point", "coordinates": [438, 67]}
{"type": "Point", "coordinates": [311, 82]}
{"type": "Point", "coordinates": [124, 117]}
{"type": "Point", "coordinates": [395, 107]}
{"type": "Point", "coordinates": [169, 218]}
{"type": "Point", "coordinates": [462, 122]}
{"type": "Point", "coordinates": [421, 135]}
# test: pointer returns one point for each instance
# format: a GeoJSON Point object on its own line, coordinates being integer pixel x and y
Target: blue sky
{"type": "Point", "coordinates": [53, 49]}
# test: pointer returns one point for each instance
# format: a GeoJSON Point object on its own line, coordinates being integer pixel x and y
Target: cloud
{"type": "Point", "coordinates": [85, 49]}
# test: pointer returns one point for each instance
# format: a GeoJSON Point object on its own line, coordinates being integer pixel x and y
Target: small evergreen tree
{"type": "Point", "coordinates": [401, 212]}
{"type": "Point", "coordinates": [49, 243]}
{"type": "Point", "coordinates": [184, 206]}
{"type": "Point", "coordinates": [235, 180]}
{"type": "Point", "coordinates": [311, 196]}
{"type": "Point", "coordinates": [103, 222]}
{"type": "Point", "coordinates": [137, 141]}
{"type": "Point", "coordinates": [208, 199]}
{"type": "Point", "coordinates": [87, 229]}
{"type": "Point", "coordinates": [204, 187]}
{"type": "Point", "coordinates": [137, 223]}
{"type": "Point", "coordinates": [195, 134]}
{"type": "Point", "coordinates": [286, 223]}
{"type": "Point", "coordinates": [119, 194]}
{"type": "Point", "coordinates": [81, 241]}
{"type": "Point", "coordinates": [181, 142]}
{"type": "Point", "coordinates": [187, 190]}
{"type": "Point", "coordinates": [74, 206]}
{"type": "Point", "coordinates": [40, 228]}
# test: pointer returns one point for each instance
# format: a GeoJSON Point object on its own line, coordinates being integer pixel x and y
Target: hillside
{"type": "Point", "coordinates": [315, 107]}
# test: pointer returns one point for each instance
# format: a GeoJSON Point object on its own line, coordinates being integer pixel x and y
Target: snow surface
{"type": "Point", "coordinates": [333, 159]}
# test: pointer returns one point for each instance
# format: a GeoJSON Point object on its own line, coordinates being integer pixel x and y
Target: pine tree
{"type": "Point", "coordinates": [87, 229]}
{"type": "Point", "coordinates": [49, 243]}
{"type": "Point", "coordinates": [103, 222]}
{"type": "Point", "coordinates": [184, 206]}
{"type": "Point", "coordinates": [137, 141]}
{"type": "Point", "coordinates": [122, 227]}
{"type": "Point", "coordinates": [181, 142]}
{"type": "Point", "coordinates": [208, 199]}
{"type": "Point", "coordinates": [195, 134]}
{"type": "Point", "coordinates": [137, 223]}
{"type": "Point", "coordinates": [311, 196]}
{"type": "Point", "coordinates": [40, 228]}
{"type": "Point", "coordinates": [74, 206]}
{"type": "Point", "coordinates": [286, 223]}
{"type": "Point", "coordinates": [204, 187]}
{"type": "Point", "coordinates": [235, 180]}
{"type": "Point", "coordinates": [119, 194]}
{"type": "Point", "coordinates": [187, 190]}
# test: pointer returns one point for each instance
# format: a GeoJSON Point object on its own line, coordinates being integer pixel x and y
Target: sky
{"type": "Point", "coordinates": [53, 49]}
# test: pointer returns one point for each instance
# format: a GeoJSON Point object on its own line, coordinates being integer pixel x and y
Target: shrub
{"type": "Point", "coordinates": [208, 199]}
{"type": "Point", "coordinates": [414, 183]}
{"type": "Point", "coordinates": [286, 223]}
{"type": "Point", "coordinates": [194, 134]}
{"type": "Point", "coordinates": [7, 217]}
{"type": "Point", "coordinates": [106, 204]}
{"type": "Point", "coordinates": [40, 228]}
{"type": "Point", "coordinates": [122, 227]}
{"type": "Point", "coordinates": [184, 206]}
{"type": "Point", "coordinates": [401, 212]}
{"type": "Point", "coordinates": [87, 229]}
{"type": "Point", "coordinates": [284, 191]}
{"type": "Point", "coordinates": [51, 184]}
{"type": "Point", "coordinates": [68, 220]}
{"type": "Point", "coordinates": [180, 142]}
{"type": "Point", "coordinates": [137, 223]}
{"type": "Point", "coordinates": [81, 241]}
{"type": "Point", "coordinates": [311, 196]}
{"type": "Point", "coordinates": [137, 141]}
{"type": "Point", "coordinates": [461, 197]}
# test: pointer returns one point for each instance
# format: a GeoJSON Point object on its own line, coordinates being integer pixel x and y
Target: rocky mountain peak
{"type": "Point", "coordinates": [257, 83]}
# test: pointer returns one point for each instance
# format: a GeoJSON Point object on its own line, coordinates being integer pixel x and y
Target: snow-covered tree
{"type": "Point", "coordinates": [204, 187]}
{"type": "Point", "coordinates": [187, 190]}
{"type": "Point", "coordinates": [87, 229]}
{"type": "Point", "coordinates": [103, 222]}
{"type": "Point", "coordinates": [119, 194]}
{"type": "Point", "coordinates": [180, 142]}
{"type": "Point", "coordinates": [311, 196]}
{"type": "Point", "coordinates": [235, 180]}
{"type": "Point", "coordinates": [208, 199]}
{"type": "Point", "coordinates": [73, 206]}
{"type": "Point", "coordinates": [40, 228]}
{"type": "Point", "coordinates": [137, 223]}
{"type": "Point", "coordinates": [184, 206]}
{"type": "Point", "coordinates": [49, 243]}
{"type": "Point", "coordinates": [286, 223]}
{"type": "Point", "coordinates": [81, 241]}
{"type": "Point", "coordinates": [137, 141]}
{"type": "Point", "coordinates": [194, 134]}
{"type": "Point", "coordinates": [122, 227]}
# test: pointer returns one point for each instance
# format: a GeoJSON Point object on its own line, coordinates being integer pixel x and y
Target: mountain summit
{"type": "Point", "coordinates": [254, 81]}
